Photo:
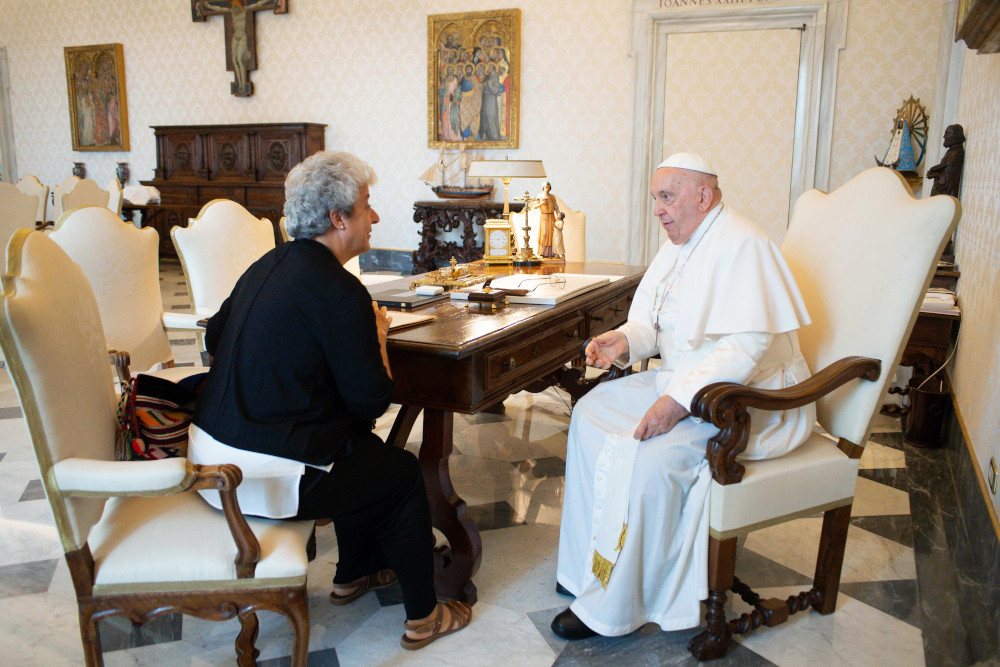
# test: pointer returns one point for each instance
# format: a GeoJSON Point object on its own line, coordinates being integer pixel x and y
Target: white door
{"type": "Point", "coordinates": [730, 96]}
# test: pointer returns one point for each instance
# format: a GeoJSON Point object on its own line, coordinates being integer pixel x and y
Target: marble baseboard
{"type": "Point", "coordinates": [384, 259]}
{"type": "Point", "coordinates": [956, 552]}
{"type": "Point", "coordinates": [981, 540]}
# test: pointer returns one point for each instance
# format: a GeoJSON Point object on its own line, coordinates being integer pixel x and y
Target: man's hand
{"type": "Point", "coordinates": [660, 418]}
{"type": "Point", "coordinates": [604, 349]}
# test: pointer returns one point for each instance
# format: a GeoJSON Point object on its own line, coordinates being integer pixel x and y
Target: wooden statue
{"type": "Point", "coordinates": [947, 174]}
{"type": "Point", "coordinates": [549, 210]}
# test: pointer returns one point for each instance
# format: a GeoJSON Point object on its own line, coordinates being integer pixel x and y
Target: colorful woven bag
{"type": "Point", "coordinates": [153, 416]}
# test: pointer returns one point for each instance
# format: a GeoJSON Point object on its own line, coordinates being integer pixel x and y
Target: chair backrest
{"type": "Point", "coordinates": [574, 230]}
{"type": "Point", "coordinates": [122, 265]}
{"type": "Point", "coordinates": [216, 248]}
{"type": "Point", "coordinates": [353, 264]}
{"type": "Point", "coordinates": [85, 193]}
{"type": "Point", "coordinates": [30, 185]}
{"type": "Point", "coordinates": [17, 211]}
{"type": "Point", "coordinates": [50, 331]}
{"type": "Point", "coordinates": [57, 193]}
{"type": "Point", "coordinates": [115, 196]}
{"type": "Point", "coordinates": [863, 257]}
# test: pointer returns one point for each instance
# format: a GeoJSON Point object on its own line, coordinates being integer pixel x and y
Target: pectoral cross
{"type": "Point", "coordinates": [241, 42]}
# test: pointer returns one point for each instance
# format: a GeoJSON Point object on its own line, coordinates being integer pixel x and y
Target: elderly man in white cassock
{"type": "Point", "coordinates": [717, 304]}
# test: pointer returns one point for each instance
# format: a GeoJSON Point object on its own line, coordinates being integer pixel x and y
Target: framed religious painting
{"type": "Point", "coordinates": [98, 113]}
{"type": "Point", "coordinates": [473, 79]}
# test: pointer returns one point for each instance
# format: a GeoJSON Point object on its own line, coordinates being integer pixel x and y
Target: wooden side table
{"type": "Point", "coordinates": [445, 215]}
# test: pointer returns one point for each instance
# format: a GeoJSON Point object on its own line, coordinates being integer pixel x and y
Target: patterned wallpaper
{"type": "Point", "coordinates": [890, 54]}
{"type": "Point", "coordinates": [360, 67]}
{"type": "Point", "coordinates": [976, 371]}
{"type": "Point", "coordinates": [730, 96]}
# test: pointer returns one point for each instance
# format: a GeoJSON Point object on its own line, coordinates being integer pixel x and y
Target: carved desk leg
{"type": "Point", "coordinates": [453, 579]}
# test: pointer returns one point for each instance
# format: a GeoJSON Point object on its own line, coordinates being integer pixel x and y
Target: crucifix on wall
{"type": "Point", "coordinates": [241, 43]}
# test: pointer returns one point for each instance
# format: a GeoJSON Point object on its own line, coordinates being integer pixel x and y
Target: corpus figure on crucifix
{"type": "Point", "coordinates": [240, 44]}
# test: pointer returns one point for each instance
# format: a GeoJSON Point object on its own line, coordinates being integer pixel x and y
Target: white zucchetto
{"type": "Point", "coordinates": [690, 161]}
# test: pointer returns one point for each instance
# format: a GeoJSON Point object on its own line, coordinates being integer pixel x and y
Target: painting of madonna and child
{"type": "Point", "coordinates": [473, 61]}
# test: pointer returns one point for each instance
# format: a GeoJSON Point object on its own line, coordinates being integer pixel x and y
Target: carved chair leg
{"type": "Point", "coordinates": [713, 642]}
{"type": "Point", "coordinates": [830, 559]}
{"type": "Point", "coordinates": [297, 611]}
{"type": "Point", "coordinates": [90, 633]}
{"type": "Point", "coordinates": [246, 652]}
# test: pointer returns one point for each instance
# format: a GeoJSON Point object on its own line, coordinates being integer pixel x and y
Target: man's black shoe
{"type": "Point", "coordinates": [562, 590]}
{"type": "Point", "coordinates": [568, 626]}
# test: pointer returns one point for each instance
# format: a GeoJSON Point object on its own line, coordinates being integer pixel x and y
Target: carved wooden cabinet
{"type": "Point", "coordinates": [245, 163]}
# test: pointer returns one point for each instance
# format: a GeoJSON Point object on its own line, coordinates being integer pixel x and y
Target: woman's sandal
{"type": "Point", "coordinates": [461, 614]}
{"type": "Point", "coordinates": [372, 582]}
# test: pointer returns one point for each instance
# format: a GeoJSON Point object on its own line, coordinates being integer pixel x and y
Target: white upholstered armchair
{"type": "Point", "coordinates": [137, 541]}
{"type": "Point", "coordinates": [122, 265]}
{"type": "Point", "coordinates": [863, 257]}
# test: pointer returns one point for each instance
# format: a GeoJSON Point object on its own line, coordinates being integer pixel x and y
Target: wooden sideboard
{"type": "Point", "coordinates": [245, 163]}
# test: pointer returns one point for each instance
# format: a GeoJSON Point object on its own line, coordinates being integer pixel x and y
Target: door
{"type": "Point", "coordinates": [730, 96]}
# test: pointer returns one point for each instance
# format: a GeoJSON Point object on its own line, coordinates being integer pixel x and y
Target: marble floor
{"type": "Point", "coordinates": [510, 470]}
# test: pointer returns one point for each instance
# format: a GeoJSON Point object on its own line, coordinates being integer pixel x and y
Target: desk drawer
{"type": "Point", "coordinates": [608, 315]}
{"type": "Point", "coordinates": [532, 356]}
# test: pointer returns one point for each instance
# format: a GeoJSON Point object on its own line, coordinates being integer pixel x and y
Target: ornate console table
{"type": "Point", "coordinates": [444, 216]}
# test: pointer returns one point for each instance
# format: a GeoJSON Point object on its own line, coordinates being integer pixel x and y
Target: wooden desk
{"type": "Point", "coordinates": [470, 358]}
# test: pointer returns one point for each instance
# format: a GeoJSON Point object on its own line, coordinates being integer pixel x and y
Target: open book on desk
{"type": "Point", "coordinates": [541, 290]}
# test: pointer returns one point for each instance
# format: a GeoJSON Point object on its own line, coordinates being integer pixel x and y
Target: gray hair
{"type": "Point", "coordinates": [324, 182]}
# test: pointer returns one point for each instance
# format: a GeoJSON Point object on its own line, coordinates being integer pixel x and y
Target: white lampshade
{"type": "Point", "coordinates": [506, 169]}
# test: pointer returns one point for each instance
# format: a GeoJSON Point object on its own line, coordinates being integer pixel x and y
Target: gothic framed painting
{"type": "Point", "coordinates": [98, 112]}
{"type": "Point", "coordinates": [473, 79]}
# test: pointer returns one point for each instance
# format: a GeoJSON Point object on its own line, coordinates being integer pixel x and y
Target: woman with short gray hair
{"type": "Point", "coordinates": [324, 182]}
{"type": "Point", "coordinates": [299, 375]}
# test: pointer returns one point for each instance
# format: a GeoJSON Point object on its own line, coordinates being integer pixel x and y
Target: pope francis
{"type": "Point", "coordinates": [718, 303]}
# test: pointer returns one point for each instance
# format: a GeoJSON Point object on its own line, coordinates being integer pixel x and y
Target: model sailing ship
{"type": "Point", "coordinates": [449, 177]}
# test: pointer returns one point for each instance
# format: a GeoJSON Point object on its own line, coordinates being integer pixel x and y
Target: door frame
{"type": "Point", "coordinates": [8, 162]}
{"type": "Point", "coordinates": [824, 28]}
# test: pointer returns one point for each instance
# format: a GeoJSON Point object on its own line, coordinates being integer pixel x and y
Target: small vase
{"type": "Point", "coordinates": [122, 173]}
{"type": "Point", "coordinates": [79, 170]}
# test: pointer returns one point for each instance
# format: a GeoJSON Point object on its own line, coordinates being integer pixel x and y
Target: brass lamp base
{"type": "Point", "coordinates": [527, 260]}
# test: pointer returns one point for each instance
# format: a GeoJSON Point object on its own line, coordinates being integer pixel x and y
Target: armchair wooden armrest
{"type": "Point", "coordinates": [725, 405]}
{"type": "Point", "coordinates": [87, 477]}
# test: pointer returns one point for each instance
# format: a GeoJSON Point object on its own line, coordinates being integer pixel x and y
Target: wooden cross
{"type": "Point", "coordinates": [241, 42]}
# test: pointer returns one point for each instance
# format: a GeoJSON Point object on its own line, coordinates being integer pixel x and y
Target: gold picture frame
{"type": "Point", "coordinates": [98, 109]}
{"type": "Point", "coordinates": [472, 58]}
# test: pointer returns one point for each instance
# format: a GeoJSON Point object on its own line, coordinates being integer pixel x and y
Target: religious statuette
{"type": "Point", "coordinates": [550, 227]}
{"type": "Point", "coordinates": [241, 42]}
{"type": "Point", "coordinates": [947, 174]}
{"type": "Point", "coordinates": [909, 128]}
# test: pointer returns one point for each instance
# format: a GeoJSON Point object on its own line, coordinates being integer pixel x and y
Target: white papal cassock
{"type": "Point", "coordinates": [634, 538]}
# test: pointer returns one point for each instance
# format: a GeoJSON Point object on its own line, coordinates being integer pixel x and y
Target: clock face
{"type": "Point", "coordinates": [498, 242]}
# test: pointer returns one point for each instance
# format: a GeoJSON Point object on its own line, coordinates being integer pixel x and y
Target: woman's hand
{"type": "Point", "coordinates": [382, 322]}
{"type": "Point", "coordinates": [604, 349]}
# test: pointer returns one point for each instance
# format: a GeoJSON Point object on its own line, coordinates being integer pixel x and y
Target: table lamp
{"type": "Point", "coordinates": [506, 170]}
